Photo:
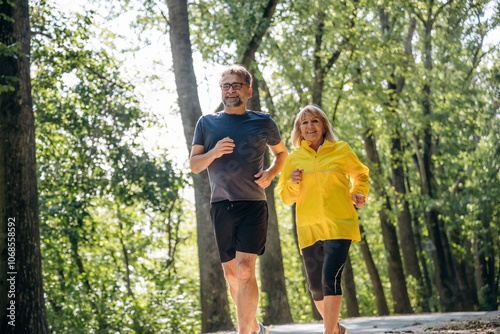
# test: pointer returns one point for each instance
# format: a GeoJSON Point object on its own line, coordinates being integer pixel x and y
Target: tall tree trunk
{"type": "Point", "coordinates": [450, 296]}
{"type": "Point", "coordinates": [349, 290]}
{"type": "Point", "coordinates": [272, 273]}
{"type": "Point", "coordinates": [378, 290]}
{"type": "Point", "coordinates": [315, 313]}
{"type": "Point", "coordinates": [22, 305]}
{"type": "Point", "coordinates": [485, 263]}
{"type": "Point", "coordinates": [421, 257]}
{"type": "Point", "coordinates": [214, 298]}
{"type": "Point", "coordinates": [395, 85]}
{"type": "Point", "coordinates": [401, 300]}
{"type": "Point", "coordinates": [272, 112]}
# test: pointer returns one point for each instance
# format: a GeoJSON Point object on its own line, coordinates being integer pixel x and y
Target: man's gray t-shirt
{"type": "Point", "coordinates": [232, 175]}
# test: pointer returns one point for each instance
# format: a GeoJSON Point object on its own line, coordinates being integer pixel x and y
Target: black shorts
{"type": "Point", "coordinates": [239, 226]}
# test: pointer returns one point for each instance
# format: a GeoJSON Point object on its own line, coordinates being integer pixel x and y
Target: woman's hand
{"type": "Point", "coordinates": [359, 200]}
{"type": "Point", "coordinates": [296, 175]}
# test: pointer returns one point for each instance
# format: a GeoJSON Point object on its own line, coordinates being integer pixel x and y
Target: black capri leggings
{"type": "Point", "coordinates": [324, 262]}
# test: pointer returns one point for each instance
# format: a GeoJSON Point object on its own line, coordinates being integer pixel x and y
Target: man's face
{"type": "Point", "coordinates": [235, 97]}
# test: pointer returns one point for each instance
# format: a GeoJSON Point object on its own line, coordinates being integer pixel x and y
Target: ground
{"type": "Point", "coordinates": [488, 323]}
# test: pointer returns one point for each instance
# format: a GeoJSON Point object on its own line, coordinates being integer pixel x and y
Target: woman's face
{"type": "Point", "coordinates": [312, 129]}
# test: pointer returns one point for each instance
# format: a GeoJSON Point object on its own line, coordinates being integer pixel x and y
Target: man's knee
{"type": "Point", "coordinates": [245, 267]}
{"type": "Point", "coordinates": [229, 271]}
{"type": "Point", "coordinates": [230, 275]}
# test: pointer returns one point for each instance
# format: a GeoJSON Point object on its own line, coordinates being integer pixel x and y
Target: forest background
{"type": "Point", "coordinates": [125, 242]}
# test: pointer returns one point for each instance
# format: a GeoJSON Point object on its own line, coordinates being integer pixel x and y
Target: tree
{"type": "Point", "coordinates": [399, 290]}
{"type": "Point", "coordinates": [111, 210]}
{"type": "Point", "coordinates": [349, 290]}
{"type": "Point", "coordinates": [21, 300]}
{"type": "Point", "coordinates": [390, 25]}
{"type": "Point", "coordinates": [276, 306]}
{"type": "Point", "coordinates": [374, 275]}
{"type": "Point", "coordinates": [214, 300]}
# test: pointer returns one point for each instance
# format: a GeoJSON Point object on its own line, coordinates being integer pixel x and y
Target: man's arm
{"type": "Point", "coordinates": [265, 177]}
{"type": "Point", "coordinates": [199, 160]}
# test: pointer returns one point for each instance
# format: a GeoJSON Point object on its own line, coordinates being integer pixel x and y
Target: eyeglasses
{"type": "Point", "coordinates": [236, 86]}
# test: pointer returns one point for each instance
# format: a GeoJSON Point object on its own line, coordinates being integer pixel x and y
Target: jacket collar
{"type": "Point", "coordinates": [307, 145]}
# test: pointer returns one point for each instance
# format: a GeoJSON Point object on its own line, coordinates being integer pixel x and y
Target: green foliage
{"type": "Point", "coordinates": [111, 212]}
{"type": "Point", "coordinates": [106, 202]}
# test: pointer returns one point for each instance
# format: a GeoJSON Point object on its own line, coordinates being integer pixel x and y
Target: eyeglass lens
{"type": "Point", "coordinates": [235, 85]}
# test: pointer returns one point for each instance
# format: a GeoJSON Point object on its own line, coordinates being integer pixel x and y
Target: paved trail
{"type": "Point", "coordinates": [415, 323]}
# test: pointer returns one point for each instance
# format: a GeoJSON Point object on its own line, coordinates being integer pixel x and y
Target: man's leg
{"type": "Point", "coordinates": [231, 278]}
{"type": "Point", "coordinates": [248, 293]}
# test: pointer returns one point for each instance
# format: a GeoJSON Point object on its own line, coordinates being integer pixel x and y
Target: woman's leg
{"type": "Point", "coordinates": [336, 252]}
{"type": "Point", "coordinates": [331, 307]}
{"type": "Point", "coordinates": [313, 257]}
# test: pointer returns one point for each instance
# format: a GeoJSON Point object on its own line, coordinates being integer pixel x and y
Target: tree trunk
{"type": "Point", "coordinates": [277, 309]}
{"type": "Point", "coordinates": [349, 290]}
{"type": "Point", "coordinates": [401, 300]}
{"type": "Point", "coordinates": [315, 313]}
{"type": "Point", "coordinates": [378, 290]}
{"type": "Point", "coordinates": [272, 273]}
{"type": "Point", "coordinates": [214, 298]}
{"type": "Point", "coordinates": [406, 235]}
{"type": "Point", "coordinates": [449, 293]}
{"type": "Point", "coordinates": [22, 302]}
{"type": "Point", "coordinates": [395, 85]}
{"type": "Point", "coordinates": [422, 259]}
{"type": "Point", "coordinates": [485, 264]}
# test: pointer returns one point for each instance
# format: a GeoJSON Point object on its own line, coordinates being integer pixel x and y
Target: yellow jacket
{"type": "Point", "coordinates": [324, 208]}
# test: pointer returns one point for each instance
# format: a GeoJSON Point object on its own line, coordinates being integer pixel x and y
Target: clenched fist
{"type": "Point", "coordinates": [297, 175]}
{"type": "Point", "coordinates": [223, 146]}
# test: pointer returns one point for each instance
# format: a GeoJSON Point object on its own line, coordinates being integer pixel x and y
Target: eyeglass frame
{"type": "Point", "coordinates": [231, 85]}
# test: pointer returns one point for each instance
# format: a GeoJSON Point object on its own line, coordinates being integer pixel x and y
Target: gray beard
{"type": "Point", "coordinates": [236, 103]}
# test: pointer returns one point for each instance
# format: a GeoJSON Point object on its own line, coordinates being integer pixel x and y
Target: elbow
{"type": "Point", "coordinates": [194, 168]}
{"type": "Point", "coordinates": [286, 199]}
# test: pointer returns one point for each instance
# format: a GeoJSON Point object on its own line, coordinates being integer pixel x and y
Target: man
{"type": "Point", "coordinates": [232, 144]}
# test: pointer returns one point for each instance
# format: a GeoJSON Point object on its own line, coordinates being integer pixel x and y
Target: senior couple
{"type": "Point", "coordinates": [231, 144]}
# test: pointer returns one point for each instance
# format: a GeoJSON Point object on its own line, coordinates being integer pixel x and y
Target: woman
{"type": "Point", "coordinates": [315, 177]}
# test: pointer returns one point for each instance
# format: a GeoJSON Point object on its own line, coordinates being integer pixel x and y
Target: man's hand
{"type": "Point", "coordinates": [359, 200]}
{"type": "Point", "coordinates": [223, 146]}
{"type": "Point", "coordinates": [264, 178]}
{"type": "Point", "coordinates": [200, 160]}
{"type": "Point", "coordinates": [297, 175]}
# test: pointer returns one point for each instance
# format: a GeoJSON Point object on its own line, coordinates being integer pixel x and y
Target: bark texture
{"type": "Point", "coordinates": [22, 302]}
{"type": "Point", "coordinates": [214, 299]}
{"type": "Point", "coordinates": [349, 290]}
{"type": "Point", "coordinates": [401, 300]}
{"type": "Point", "coordinates": [276, 306]}
{"type": "Point", "coordinates": [378, 290]}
